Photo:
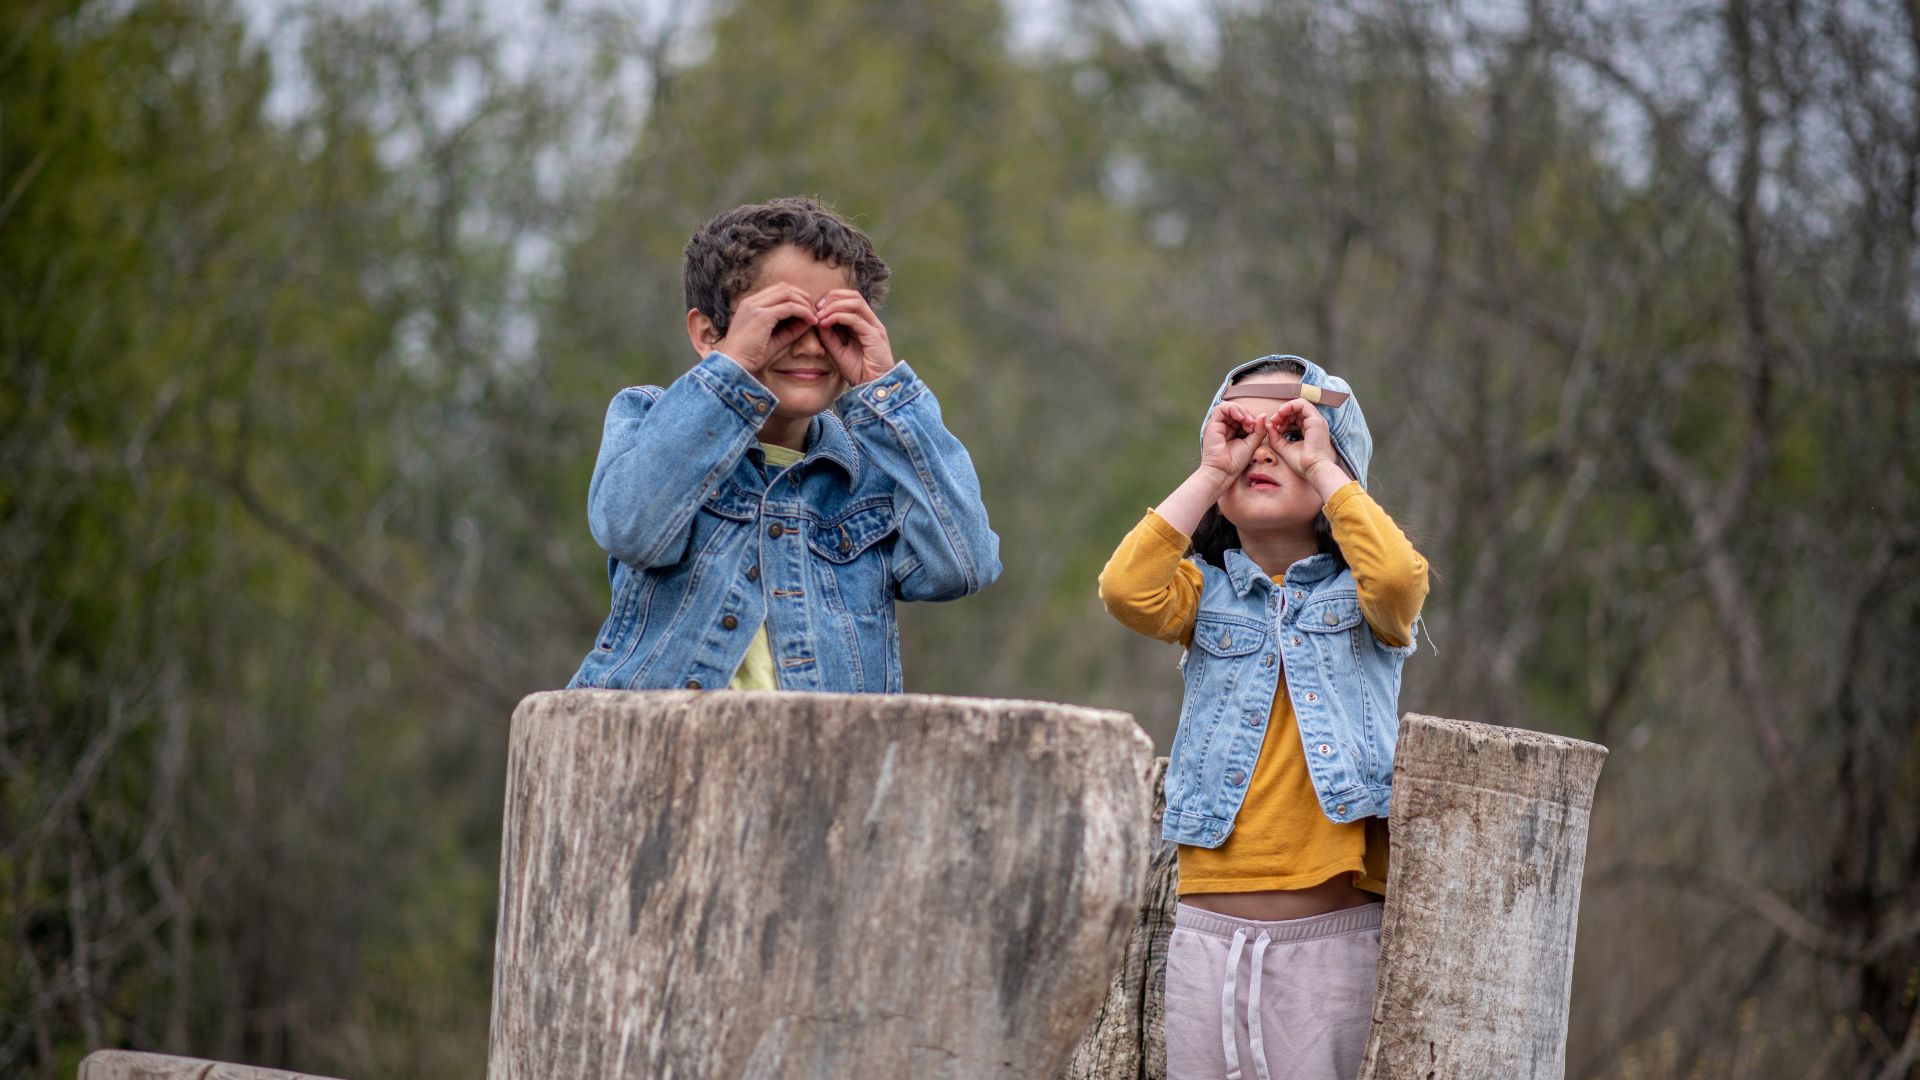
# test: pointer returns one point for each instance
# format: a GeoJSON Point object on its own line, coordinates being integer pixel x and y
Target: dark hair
{"type": "Point", "coordinates": [1215, 535]}
{"type": "Point", "coordinates": [723, 256]}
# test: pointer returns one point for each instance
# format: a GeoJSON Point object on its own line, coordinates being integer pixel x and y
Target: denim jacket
{"type": "Point", "coordinates": [705, 543]}
{"type": "Point", "coordinates": [1343, 680]}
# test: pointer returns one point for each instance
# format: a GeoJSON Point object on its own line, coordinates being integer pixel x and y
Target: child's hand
{"type": "Point", "coordinates": [1299, 434]}
{"type": "Point", "coordinates": [854, 336]}
{"type": "Point", "coordinates": [1231, 437]}
{"type": "Point", "coordinates": [765, 323]}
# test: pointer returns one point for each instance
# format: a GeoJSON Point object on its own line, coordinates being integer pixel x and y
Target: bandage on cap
{"type": "Point", "coordinates": [1286, 392]}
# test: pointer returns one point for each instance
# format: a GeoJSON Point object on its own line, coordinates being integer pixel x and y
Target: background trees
{"type": "Point", "coordinates": [309, 313]}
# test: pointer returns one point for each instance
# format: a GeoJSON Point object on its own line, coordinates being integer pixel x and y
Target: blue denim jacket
{"type": "Point", "coordinates": [705, 543]}
{"type": "Point", "coordinates": [1343, 680]}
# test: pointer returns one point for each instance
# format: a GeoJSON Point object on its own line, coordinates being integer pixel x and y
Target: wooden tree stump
{"type": "Point", "coordinates": [133, 1065]}
{"type": "Point", "coordinates": [1476, 946]}
{"type": "Point", "coordinates": [1128, 1039]}
{"type": "Point", "coordinates": [811, 885]}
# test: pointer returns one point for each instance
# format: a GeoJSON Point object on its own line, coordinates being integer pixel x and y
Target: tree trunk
{"type": "Point", "coordinates": [130, 1065]}
{"type": "Point", "coordinates": [761, 885]}
{"type": "Point", "coordinates": [1128, 1039]}
{"type": "Point", "coordinates": [1476, 950]}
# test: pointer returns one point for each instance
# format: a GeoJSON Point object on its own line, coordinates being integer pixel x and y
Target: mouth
{"type": "Point", "coordinates": [806, 374]}
{"type": "Point", "coordinates": [1262, 482]}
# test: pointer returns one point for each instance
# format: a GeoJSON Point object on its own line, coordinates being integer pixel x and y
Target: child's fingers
{"type": "Point", "coordinates": [847, 300]}
{"type": "Point", "coordinates": [855, 321]}
{"type": "Point", "coordinates": [850, 298]}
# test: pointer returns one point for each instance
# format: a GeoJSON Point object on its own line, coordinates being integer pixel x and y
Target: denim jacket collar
{"type": "Point", "coordinates": [827, 438]}
{"type": "Point", "coordinates": [1243, 571]}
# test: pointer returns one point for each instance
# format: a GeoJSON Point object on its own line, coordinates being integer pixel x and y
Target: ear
{"type": "Point", "coordinates": [701, 333]}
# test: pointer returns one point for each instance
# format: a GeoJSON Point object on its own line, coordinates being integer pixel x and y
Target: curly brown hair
{"type": "Point", "coordinates": [723, 256]}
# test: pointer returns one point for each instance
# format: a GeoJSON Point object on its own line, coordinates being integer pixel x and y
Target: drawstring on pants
{"type": "Point", "coordinates": [1256, 1042]}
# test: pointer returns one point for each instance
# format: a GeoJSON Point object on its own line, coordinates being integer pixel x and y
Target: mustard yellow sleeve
{"type": "Point", "coordinates": [1149, 585]}
{"type": "Point", "coordinates": [1390, 575]}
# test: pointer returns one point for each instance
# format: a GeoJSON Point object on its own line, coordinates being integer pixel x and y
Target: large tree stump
{"type": "Point", "coordinates": [134, 1065]}
{"type": "Point", "coordinates": [1476, 947]}
{"type": "Point", "coordinates": [811, 885]}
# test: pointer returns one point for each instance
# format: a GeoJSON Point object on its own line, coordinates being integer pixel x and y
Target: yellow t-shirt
{"type": "Point", "coordinates": [1281, 838]}
{"type": "Point", "coordinates": [756, 668]}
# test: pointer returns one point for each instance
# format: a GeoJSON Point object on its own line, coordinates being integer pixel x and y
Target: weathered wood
{"type": "Point", "coordinates": [811, 885]}
{"type": "Point", "coordinates": [1476, 947]}
{"type": "Point", "coordinates": [133, 1065]}
{"type": "Point", "coordinates": [1128, 1039]}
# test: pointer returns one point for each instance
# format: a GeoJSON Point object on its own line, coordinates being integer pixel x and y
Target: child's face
{"type": "Point", "coordinates": [802, 375]}
{"type": "Point", "coordinates": [1268, 495]}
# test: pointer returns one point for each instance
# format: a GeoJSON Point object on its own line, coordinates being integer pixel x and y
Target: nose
{"type": "Point", "coordinates": [1265, 455]}
{"type": "Point", "coordinates": [809, 344]}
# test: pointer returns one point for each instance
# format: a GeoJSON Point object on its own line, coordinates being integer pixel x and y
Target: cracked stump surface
{"type": "Point", "coordinates": [761, 885]}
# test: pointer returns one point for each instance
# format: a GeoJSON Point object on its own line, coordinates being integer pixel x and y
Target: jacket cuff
{"type": "Point", "coordinates": [875, 399]}
{"type": "Point", "coordinates": [737, 389]}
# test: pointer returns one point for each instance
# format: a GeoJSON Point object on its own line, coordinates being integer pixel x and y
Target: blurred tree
{"type": "Point", "coordinates": [1628, 293]}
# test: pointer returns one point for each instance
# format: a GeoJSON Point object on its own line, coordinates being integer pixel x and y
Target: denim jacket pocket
{"type": "Point", "coordinates": [1336, 626]}
{"type": "Point", "coordinates": [851, 559]}
{"type": "Point", "coordinates": [729, 500]}
{"type": "Point", "coordinates": [1227, 637]}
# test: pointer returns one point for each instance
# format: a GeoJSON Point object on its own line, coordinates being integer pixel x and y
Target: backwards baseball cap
{"type": "Point", "coordinates": [1329, 393]}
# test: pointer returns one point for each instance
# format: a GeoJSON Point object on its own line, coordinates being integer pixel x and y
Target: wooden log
{"type": "Point", "coordinates": [1483, 892]}
{"type": "Point", "coordinates": [811, 885]}
{"type": "Point", "coordinates": [134, 1065]}
{"type": "Point", "coordinates": [1128, 1040]}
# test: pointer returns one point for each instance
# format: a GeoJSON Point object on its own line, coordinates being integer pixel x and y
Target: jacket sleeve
{"type": "Point", "coordinates": [1389, 574]}
{"type": "Point", "coordinates": [946, 548]}
{"type": "Point", "coordinates": [661, 453]}
{"type": "Point", "coordinates": [1150, 585]}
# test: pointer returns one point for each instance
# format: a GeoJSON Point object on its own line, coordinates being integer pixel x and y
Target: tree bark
{"type": "Point", "coordinates": [1483, 892]}
{"type": "Point", "coordinates": [131, 1065]}
{"type": "Point", "coordinates": [1128, 1039]}
{"type": "Point", "coordinates": [760, 885]}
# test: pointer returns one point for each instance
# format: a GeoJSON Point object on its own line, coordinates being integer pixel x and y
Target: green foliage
{"type": "Point", "coordinates": [308, 328]}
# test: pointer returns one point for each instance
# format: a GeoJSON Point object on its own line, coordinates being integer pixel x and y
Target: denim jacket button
{"type": "Point", "coordinates": [1341, 809]}
{"type": "Point", "coordinates": [753, 572]}
{"type": "Point", "coordinates": [1311, 696]}
{"type": "Point", "coordinates": [774, 530]}
{"type": "Point", "coordinates": [693, 684]}
{"type": "Point", "coordinates": [1332, 618]}
{"type": "Point", "coordinates": [1296, 639]}
{"type": "Point", "coordinates": [1236, 777]}
{"type": "Point", "coordinates": [1253, 719]}
{"type": "Point", "coordinates": [729, 622]}
{"type": "Point", "coordinates": [1324, 749]}
{"type": "Point", "coordinates": [760, 406]}
{"type": "Point", "coordinates": [881, 393]}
